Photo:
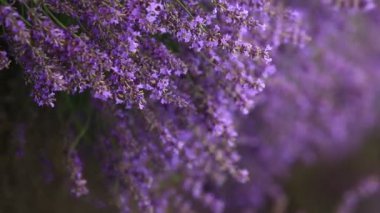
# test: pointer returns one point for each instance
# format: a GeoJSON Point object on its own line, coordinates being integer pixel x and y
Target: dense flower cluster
{"type": "Point", "coordinates": [170, 64]}
{"type": "Point", "coordinates": [172, 78]}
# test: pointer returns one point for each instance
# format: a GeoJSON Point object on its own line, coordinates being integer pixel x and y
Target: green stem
{"type": "Point", "coordinates": [189, 12]}
{"type": "Point", "coordinates": [26, 21]}
{"type": "Point", "coordinates": [185, 8]}
{"type": "Point", "coordinates": [52, 16]}
{"type": "Point", "coordinates": [21, 17]}
{"type": "Point", "coordinates": [81, 134]}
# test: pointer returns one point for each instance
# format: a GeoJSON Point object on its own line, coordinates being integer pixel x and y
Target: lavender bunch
{"type": "Point", "coordinates": [172, 82]}
{"type": "Point", "coordinates": [173, 74]}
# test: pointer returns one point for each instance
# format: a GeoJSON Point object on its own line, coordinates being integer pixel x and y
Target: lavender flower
{"type": "Point", "coordinates": [352, 5]}
{"type": "Point", "coordinates": [366, 188]}
{"type": "Point", "coordinates": [4, 61]}
{"type": "Point", "coordinates": [75, 167]}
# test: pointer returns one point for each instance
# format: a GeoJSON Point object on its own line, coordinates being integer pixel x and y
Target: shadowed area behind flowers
{"type": "Point", "coordinates": [34, 143]}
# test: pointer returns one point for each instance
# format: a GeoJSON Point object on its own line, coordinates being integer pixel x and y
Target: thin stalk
{"type": "Point", "coordinates": [52, 16]}
{"type": "Point", "coordinates": [81, 134]}
{"type": "Point", "coordinates": [185, 8]}
{"type": "Point", "coordinates": [190, 14]}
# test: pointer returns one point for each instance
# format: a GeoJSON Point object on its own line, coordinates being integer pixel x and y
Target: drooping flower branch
{"type": "Point", "coordinates": [172, 79]}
